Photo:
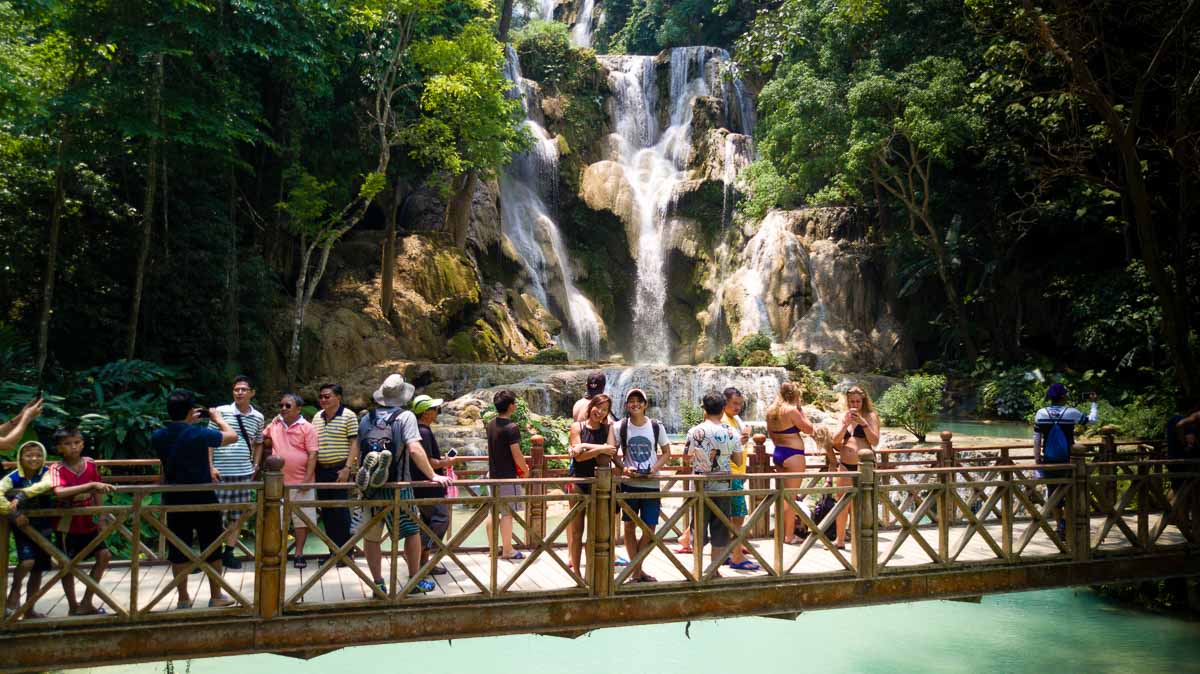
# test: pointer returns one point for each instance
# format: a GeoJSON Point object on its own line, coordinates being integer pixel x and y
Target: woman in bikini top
{"type": "Point", "coordinates": [785, 422]}
{"type": "Point", "coordinates": [859, 430]}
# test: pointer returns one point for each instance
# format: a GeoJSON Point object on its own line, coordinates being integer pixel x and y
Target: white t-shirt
{"type": "Point", "coordinates": [711, 446]}
{"type": "Point", "coordinates": [639, 452]}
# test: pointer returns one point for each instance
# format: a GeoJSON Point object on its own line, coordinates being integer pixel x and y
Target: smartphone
{"type": "Point", "coordinates": [452, 453]}
{"type": "Point", "coordinates": [202, 413]}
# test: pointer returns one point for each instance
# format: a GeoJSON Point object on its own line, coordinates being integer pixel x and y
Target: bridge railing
{"type": "Point", "coordinates": [901, 519]}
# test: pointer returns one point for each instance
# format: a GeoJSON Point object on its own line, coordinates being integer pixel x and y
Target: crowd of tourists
{"type": "Point", "coordinates": [358, 458]}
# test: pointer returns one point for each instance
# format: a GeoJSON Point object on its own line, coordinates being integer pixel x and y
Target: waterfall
{"type": "Point", "coordinates": [581, 32]}
{"type": "Point", "coordinates": [654, 163]}
{"type": "Point", "coordinates": [527, 185]}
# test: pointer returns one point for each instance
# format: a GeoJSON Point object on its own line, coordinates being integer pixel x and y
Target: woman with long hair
{"type": "Point", "coordinates": [589, 439]}
{"type": "Point", "coordinates": [859, 430]}
{"type": "Point", "coordinates": [785, 422]}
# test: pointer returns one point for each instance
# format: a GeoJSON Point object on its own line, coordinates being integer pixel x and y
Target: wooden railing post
{"type": "Point", "coordinates": [536, 507]}
{"type": "Point", "coordinates": [270, 558]}
{"type": "Point", "coordinates": [1078, 516]}
{"type": "Point", "coordinates": [759, 465]}
{"type": "Point", "coordinates": [944, 502]}
{"type": "Point", "coordinates": [1108, 453]}
{"type": "Point", "coordinates": [865, 548]}
{"type": "Point", "coordinates": [1143, 505]}
{"type": "Point", "coordinates": [600, 567]}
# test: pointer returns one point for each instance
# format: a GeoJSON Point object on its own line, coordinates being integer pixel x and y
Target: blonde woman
{"type": "Point", "coordinates": [859, 430]}
{"type": "Point", "coordinates": [785, 422]}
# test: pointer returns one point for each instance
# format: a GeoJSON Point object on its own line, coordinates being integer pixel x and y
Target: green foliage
{"type": "Point", "coordinates": [690, 414]}
{"type": "Point", "coordinates": [1007, 393]}
{"type": "Point", "coordinates": [816, 386]}
{"type": "Point", "coordinates": [752, 351]}
{"type": "Point", "coordinates": [913, 404]}
{"type": "Point", "coordinates": [549, 357]}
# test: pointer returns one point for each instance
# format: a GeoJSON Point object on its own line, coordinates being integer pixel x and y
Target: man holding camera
{"type": "Point", "coordinates": [183, 448]}
{"type": "Point", "coordinates": [237, 462]}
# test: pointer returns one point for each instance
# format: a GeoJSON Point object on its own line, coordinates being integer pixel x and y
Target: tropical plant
{"type": "Point", "coordinates": [913, 404]}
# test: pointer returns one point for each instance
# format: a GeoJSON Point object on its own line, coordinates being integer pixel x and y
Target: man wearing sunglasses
{"type": "Point", "coordinates": [291, 437]}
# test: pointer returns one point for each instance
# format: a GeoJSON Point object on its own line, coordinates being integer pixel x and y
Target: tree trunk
{"type": "Point", "coordinates": [395, 207]}
{"type": "Point", "coordinates": [147, 210]}
{"type": "Point", "coordinates": [960, 317]}
{"type": "Point", "coordinates": [458, 211]}
{"type": "Point", "coordinates": [56, 215]}
{"type": "Point", "coordinates": [293, 359]}
{"type": "Point", "coordinates": [505, 20]}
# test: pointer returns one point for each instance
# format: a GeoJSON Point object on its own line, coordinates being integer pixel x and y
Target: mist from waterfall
{"type": "Point", "coordinates": [527, 185]}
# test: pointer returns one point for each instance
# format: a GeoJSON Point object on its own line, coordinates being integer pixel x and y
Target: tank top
{"type": "Point", "coordinates": [597, 436]}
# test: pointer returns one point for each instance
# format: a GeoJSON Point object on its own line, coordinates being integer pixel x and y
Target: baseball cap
{"type": "Point", "coordinates": [639, 392]}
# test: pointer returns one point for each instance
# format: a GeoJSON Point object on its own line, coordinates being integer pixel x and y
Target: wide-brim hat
{"type": "Point", "coordinates": [423, 403]}
{"type": "Point", "coordinates": [394, 392]}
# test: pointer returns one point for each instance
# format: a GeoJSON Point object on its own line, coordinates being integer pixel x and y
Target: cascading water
{"type": "Point", "coordinates": [653, 165]}
{"type": "Point", "coordinates": [526, 186]}
{"type": "Point", "coordinates": [581, 32]}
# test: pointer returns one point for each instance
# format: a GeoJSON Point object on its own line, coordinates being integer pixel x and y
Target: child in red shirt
{"type": "Point", "coordinates": [77, 484]}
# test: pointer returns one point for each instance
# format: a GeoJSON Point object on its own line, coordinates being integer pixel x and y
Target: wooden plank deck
{"type": "Point", "coordinates": [343, 585]}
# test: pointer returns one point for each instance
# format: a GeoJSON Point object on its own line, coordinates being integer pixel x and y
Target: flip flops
{"type": "Point", "coordinates": [516, 555]}
{"type": "Point", "coordinates": [685, 550]}
{"type": "Point", "coordinates": [744, 565]}
{"type": "Point", "coordinates": [424, 585]}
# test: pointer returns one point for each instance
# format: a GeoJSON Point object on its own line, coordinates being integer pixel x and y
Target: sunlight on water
{"type": "Point", "coordinates": [1053, 631]}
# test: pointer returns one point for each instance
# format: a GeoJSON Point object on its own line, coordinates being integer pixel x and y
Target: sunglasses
{"type": "Point", "coordinates": [285, 406]}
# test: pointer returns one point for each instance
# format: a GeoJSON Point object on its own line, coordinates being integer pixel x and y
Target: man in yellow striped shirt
{"type": "Point", "coordinates": [337, 458]}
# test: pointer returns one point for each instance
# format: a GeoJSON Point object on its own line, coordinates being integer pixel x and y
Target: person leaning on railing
{"type": "Point", "coordinates": [1054, 418]}
{"type": "Point", "coordinates": [182, 448]}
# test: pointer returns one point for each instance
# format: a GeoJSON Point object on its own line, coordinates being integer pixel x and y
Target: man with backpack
{"type": "Point", "coordinates": [644, 449]}
{"type": "Point", "coordinates": [390, 442]}
{"type": "Point", "coordinates": [1053, 436]}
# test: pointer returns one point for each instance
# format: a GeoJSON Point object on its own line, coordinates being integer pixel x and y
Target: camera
{"type": "Point", "coordinates": [451, 453]}
{"type": "Point", "coordinates": [202, 413]}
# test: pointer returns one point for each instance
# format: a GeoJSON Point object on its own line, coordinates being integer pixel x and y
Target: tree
{"type": "Point", "coordinates": [1142, 94]}
{"type": "Point", "coordinates": [913, 404]}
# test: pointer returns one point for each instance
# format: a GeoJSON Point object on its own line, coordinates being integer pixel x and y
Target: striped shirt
{"type": "Point", "coordinates": [236, 459]}
{"type": "Point", "coordinates": [334, 436]}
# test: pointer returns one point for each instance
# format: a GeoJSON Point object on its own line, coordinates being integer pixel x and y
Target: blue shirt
{"type": "Point", "coordinates": [183, 451]}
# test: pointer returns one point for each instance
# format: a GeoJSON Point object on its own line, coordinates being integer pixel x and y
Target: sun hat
{"type": "Point", "coordinates": [393, 392]}
{"type": "Point", "coordinates": [423, 403]}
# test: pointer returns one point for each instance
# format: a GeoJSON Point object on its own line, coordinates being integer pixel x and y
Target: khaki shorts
{"type": "Point", "coordinates": [309, 511]}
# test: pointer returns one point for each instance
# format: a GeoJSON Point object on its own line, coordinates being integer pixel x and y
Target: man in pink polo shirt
{"type": "Point", "coordinates": [291, 437]}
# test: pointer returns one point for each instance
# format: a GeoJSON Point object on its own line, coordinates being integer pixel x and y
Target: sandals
{"type": "Point", "coordinates": [744, 565]}
{"type": "Point", "coordinates": [438, 570]}
{"type": "Point", "coordinates": [684, 550]}
{"type": "Point", "coordinates": [646, 578]}
{"type": "Point", "coordinates": [91, 610]}
{"type": "Point", "coordinates": [184, 604]}
{"type": "Point", "coordinates": [424, 585]}
{"type": "Point", "coordinates": [516, 555]}
{"type": "Point", "coordinates": [300, 562]}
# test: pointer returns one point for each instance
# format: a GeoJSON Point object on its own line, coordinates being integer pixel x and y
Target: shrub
{"type": "Point", "coordinates": [729, 356]}
{"type": "Point", "coordinates": [756, 342]}
{"type": "Point", "coordinates": [816, 386]}
{"type": "Point", "coordinates": [549, 357]}
{"type": "Point", "coordinates": [914, 403]}
{"type": "Point", "coordinates": [691, 414]}
{"type": "Point", "coordinates": [759, 359]}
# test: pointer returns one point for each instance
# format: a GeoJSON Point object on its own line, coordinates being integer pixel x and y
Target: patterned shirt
{"type": "Point", "coordinates": [237, 458]}
{"type": "Point", "coordinates": [711, 448]}
{"type": "Point", "coordinates": [335, 436]}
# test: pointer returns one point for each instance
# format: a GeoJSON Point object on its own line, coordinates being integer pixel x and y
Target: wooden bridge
{"type": "Point", "coordinates": [926, 523]}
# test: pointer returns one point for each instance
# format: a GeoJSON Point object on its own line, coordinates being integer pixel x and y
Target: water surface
{"type": "Point", "coordinates": [1054, 631]}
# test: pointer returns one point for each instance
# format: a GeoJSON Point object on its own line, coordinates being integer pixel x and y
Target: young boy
{"type": "Point", "coordinates": [712, 446]}
{"type": "Point", "coordinates": [77, 484]}
{"type": "Point", "coordinates": [28, 487]}
{"type": "Point", "coordinates": [645, 449]}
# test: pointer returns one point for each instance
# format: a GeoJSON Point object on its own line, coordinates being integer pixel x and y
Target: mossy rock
{"type": "Point", "coordinates": [549, 357]}
{"type": "Point", "coordinates": [479, 344]}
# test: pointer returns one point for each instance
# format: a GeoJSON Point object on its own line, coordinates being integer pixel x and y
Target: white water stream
{"type": "Point", "coordinates": [527, 185]}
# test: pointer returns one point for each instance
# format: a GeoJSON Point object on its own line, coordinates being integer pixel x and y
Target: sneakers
{"type": "Point", "coordinates": [228, 560]}
{"type": "Point", "coordinates": [362, 479]}
{"type": "Point", "coordinates": [374, 471]}
{"type": "Point", "coordinates": [424, 585]}
{"type": "Point", "coordinates": [382, 585]}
